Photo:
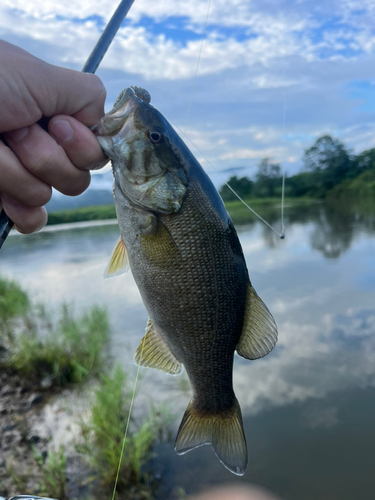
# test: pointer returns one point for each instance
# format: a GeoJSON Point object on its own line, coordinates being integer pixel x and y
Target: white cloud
{"type": "Point", "coordinates": [267, 72]}
{"type": "Point", "coordinates": [253, 153]}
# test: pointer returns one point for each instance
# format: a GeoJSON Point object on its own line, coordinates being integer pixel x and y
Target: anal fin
{"type": "Point", "coordinates": [259, 333]}
{"type": "Point", "coordinates": [119, 261]}
{"type": "Point", "coordinates": [153, 352]}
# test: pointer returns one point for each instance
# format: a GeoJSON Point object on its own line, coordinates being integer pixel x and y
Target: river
{"type": "Point", "coordinates": [309, 406]}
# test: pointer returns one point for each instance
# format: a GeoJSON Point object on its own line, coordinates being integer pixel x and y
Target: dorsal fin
{"type": "Point", "coordinates": [119, 261]}
{"type": "Point", "coordinates": [259, 333]}
{"type": "Point", "coordinates": [153, 352]}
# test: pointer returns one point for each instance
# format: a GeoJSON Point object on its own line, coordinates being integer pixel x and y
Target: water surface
{"type": "Point", "coordinates": [308, 407]}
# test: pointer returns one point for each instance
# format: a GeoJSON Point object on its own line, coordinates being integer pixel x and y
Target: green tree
{"type": "Point", "coordinates": [330, 162]}
{"type": "Point", "coordinates": [268, 178]}
{"type": "Point", "coordinates": [301, 184]}
{"type": "Point", "coordinates": [242, 186]}
{"type": "Point", "coordinates": [365, 161]}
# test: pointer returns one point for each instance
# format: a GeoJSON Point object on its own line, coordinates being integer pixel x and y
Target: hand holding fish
{"type": "Point", "coordinates": [32, 160]}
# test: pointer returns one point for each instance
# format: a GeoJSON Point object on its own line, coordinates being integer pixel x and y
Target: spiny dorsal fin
{"type": "Point", "coordinates": [118, 262]}
{"type": "Point", "coordinates": [224, 431]}
{"type": "Point", "coordinates": [259, 333]}
{"type": "Point", "coordinates": [153, 352]}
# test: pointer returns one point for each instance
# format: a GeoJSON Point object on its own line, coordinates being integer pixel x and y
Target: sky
{"type": "Point", "coordinates": [273, 75]}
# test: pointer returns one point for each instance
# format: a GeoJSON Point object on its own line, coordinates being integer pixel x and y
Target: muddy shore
{"type": "Point", "coordinates": [21, 401]}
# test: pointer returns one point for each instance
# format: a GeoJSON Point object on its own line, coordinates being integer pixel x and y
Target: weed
{"type": "Point", "coordinates": [103, 434]}
{"type": "Point", "coordinates": [69, 352]}
{"type": "Point", "coordinates": [14, 303]}
{"type": "Point", "coordinates": [53, 474]}
{"type": "Point", "coordinates": [47, 477]}
{"type": "Point", "coordinates": [19, 478]}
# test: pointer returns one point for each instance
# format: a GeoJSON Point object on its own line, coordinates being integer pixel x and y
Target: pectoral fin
{"type": "Point", "coordinates": [153, 352]}
{"type": "Point", "coordinates": [259, 334]}
{"type": "Point", "coordinates": [119, 262]}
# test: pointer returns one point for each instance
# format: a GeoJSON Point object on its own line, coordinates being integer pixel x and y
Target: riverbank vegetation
{"type": "Point", "coordinates": [99, 212]}
{"type": "Point", "coordinates": [40, 353]}
{"type": "Point", "coordinates": [330, 172]}
{"type": "Point", "coordinates": [59, 348]}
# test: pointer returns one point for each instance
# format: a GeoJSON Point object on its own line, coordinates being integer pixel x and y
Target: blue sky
{"type": "Point", "coordinates": [274, 75]}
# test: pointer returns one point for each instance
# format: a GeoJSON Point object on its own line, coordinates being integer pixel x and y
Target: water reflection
{"type": "Point", "coordinates": [334, 229]}
{"type": "Point", "coordinates": [309, 406]}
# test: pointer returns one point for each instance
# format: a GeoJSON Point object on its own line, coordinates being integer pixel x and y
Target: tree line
{"type": "Point", "coordinates": [327, 165]}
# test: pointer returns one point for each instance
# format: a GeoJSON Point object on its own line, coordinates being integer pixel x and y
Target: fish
{"type": "Point", "coordinates": [187, 261]}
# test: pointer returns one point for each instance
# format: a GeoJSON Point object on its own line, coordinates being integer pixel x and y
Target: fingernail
{"type": "Point", "coordinates": [17, 135]}
{"type": "Point", "coordinates": [61, 130]}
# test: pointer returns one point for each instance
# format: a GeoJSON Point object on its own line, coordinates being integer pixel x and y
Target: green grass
{"type": "Point", "coordinates": [237, 210]}
{"type": "Point", "coordinates": [70, 350]}
{"type": "Point", "coordinates": [103, 434]}
{"type": "Point", "coordinates": [49, 476]}
{"type": "Point", "coordinates": [355, 195]}
{"type": "Point", "coordinates": [240, 214]}
{"type": "Point", "coordinates": [53, 474]}
{"type": "Point", "coordinates": [14, 303]}
{"type": "Point", "coordinates": [67, 353]}
{"type": "Point", "coordinates": [99, 212]}
{"type": "Point", "coordinates": [67, 350]}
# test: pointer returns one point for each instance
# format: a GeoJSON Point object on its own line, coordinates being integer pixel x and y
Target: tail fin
{"type": "Point", "coordinates": [224, 431]}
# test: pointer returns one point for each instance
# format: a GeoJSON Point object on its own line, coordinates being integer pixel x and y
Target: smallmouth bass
{"type": "Point", "coordinates": [188, 264]}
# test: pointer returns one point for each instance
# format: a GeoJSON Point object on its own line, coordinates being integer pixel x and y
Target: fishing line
{"type": "Point", "coordinates": [196, 71]}
{"type": "Point", "coordinates": [127, 426]}
{"type": "Point", "coordinates": [280, 235]}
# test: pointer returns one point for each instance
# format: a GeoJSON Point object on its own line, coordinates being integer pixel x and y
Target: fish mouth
{"type": "Point", "coordinates": [112, 122]}
{"type": "Point", "coordinates": [125, 105]}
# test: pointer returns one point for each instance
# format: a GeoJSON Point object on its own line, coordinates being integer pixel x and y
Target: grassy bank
{"type": "Point", "coordinates": [355, 195]}
{"type": "Point", "coordinates": [40, 352]}
{"type": "Point", "coordinates": [237, 210]}
{"type": "Point", "coordinates": [99, 212]}
{"type": "Point", "coordinates": [38, 344]}
{"type": "Point", "coordinates": [240, 214]}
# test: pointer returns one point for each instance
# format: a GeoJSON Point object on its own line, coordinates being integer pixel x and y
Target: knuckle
{"type": "Point", "coordinates": [41, 162]}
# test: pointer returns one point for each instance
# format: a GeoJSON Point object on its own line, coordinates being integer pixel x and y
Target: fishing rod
{"type": "Point", "coordinates": [90, 66]}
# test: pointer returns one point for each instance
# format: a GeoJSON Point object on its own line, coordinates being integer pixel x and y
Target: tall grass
{"type": "Point", "coordinates": [14, 304]}
{"type": "Point", "coordinates": [69, 350]}
{"type": "Point", "coordinates": [66, 350]}
{"type": "Point", "coordinates": [103, 434]}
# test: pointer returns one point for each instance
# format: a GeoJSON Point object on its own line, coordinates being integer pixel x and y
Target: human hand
{"type": "Point", "coordinates": [33, 161]}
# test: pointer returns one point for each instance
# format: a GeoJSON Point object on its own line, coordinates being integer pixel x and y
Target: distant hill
{"type": "Point", "coordinates": [98, 193]}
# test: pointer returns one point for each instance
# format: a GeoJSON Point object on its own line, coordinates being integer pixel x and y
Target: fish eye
{"type": "Point", "coordinates": [156, 137]}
